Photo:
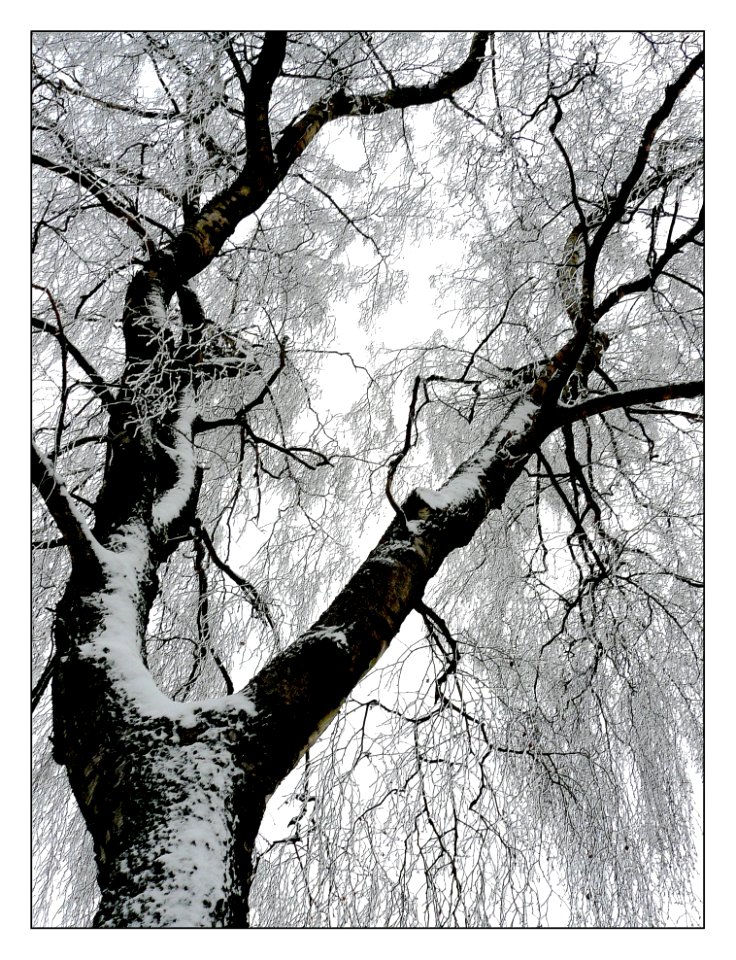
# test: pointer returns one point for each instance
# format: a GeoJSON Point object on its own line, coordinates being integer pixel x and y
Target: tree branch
{"type": "Point", "coordinates": [615, 401]}
{"type": "Point", "coordinates": [82, 545]}
{"type": "Point", "coordinates": [42, 683]}
{"type": "Point", "coordinates": [203, 238]}
{"type": "Point", "coordinates": [262, 78]}
{"type": "Point", "coordinates": [97, 383]}
{"type": "Point", "coordinates": [298, 135]}
{"type": "Point", "coordinates": [99, 190]}
{"type": "Point", "coordinates": [239, 419]}
{"type": "Point", "coordinates": [143, 113]}
{"type": "Point", "coordinates": [618, 205]}
{"type": "Point", "coordinates": [647, 281]}
{"type": "Point", "coordinates": [259, 605]}
{"type": "Point", "coordinates": [342, 213]}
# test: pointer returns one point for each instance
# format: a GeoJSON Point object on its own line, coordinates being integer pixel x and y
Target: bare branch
{"type": "Point", "coordinates": [97, 383]}
{"type": "Point", "coordinates": [262, 78]}
{"type": "Point", "coordinates": [43, 681]}
{"type": "Point", "coordinates": [254, 598]}
{"type": "Point", "coordinates": [203, 238]}
{"type": "Point", "coordinates": [99, 189]}
{"type": "Point", "coordinates": [618, 206]}
{"type": "Point", "coordinates": [647, 281]}
{"type": "Point", "coordinates": [615, 401]}
{"type": "Point", "coordinates": [296, 138]}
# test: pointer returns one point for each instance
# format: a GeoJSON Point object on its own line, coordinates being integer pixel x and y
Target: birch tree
{"type": "Point", "coordinates": [210, 211]}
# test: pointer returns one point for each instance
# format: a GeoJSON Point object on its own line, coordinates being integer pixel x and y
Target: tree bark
{"type": "Point", "coordinates": [171, 794]}
{"type": "Point", "coordinates": [182, 810]}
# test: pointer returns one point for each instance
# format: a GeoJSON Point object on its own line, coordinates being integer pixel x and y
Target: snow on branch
{"type": "Point", "coordinates": [53, 491]}
{"type": "Point", "coordinates": [467, 481]}
{"type": "Point", "coordinates": [173, 501]}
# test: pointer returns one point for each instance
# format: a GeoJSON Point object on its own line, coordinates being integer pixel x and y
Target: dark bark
{"type": "Point", "coordinates": [182, 809]}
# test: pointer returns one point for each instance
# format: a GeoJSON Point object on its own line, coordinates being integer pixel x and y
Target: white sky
{"type": "Point", "coordinates": [711, 16]}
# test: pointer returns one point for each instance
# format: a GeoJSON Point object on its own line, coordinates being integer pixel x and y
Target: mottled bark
{"type": "Point", "coordinates": [175, 837]}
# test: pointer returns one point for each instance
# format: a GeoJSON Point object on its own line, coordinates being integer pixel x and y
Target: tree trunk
{"type": "Point", "coordinates": [170, 795]}
{"type": "Point", "coordinates": [174, 846]}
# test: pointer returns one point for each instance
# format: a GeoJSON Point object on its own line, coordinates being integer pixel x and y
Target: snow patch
{"type": "Point", "coordinates": [467, 485]}
{"type": "Point", "coordinates": [170, 505]}
{"type": "Point", "coordinates": [190, 874]}
{"type": "Point", "coordinates": [117, 641]}
{"type": "Point", "coordinates": [155, 305]}
{"type": "Point", "coordinates": [457, 490]}
{"type": "Point", "coordinates": [332, 633]}
{"type": "Point", "coordinates": [520, 416]}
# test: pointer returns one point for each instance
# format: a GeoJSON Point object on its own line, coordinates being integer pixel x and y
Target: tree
{"type": "Point", "coordinates": [202, 202]}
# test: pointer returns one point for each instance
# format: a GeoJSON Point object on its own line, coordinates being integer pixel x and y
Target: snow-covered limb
{"type": "Point", "coordinates": [168, 507]}
{"type": "Point", "coordinates": [117, 642]}
{"type": "Point", "coordinates": [465, 484]}
{"type": "Point", "coordinates": [52, 489]}
{"type": "Point", "coordinates": [300, 691]}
